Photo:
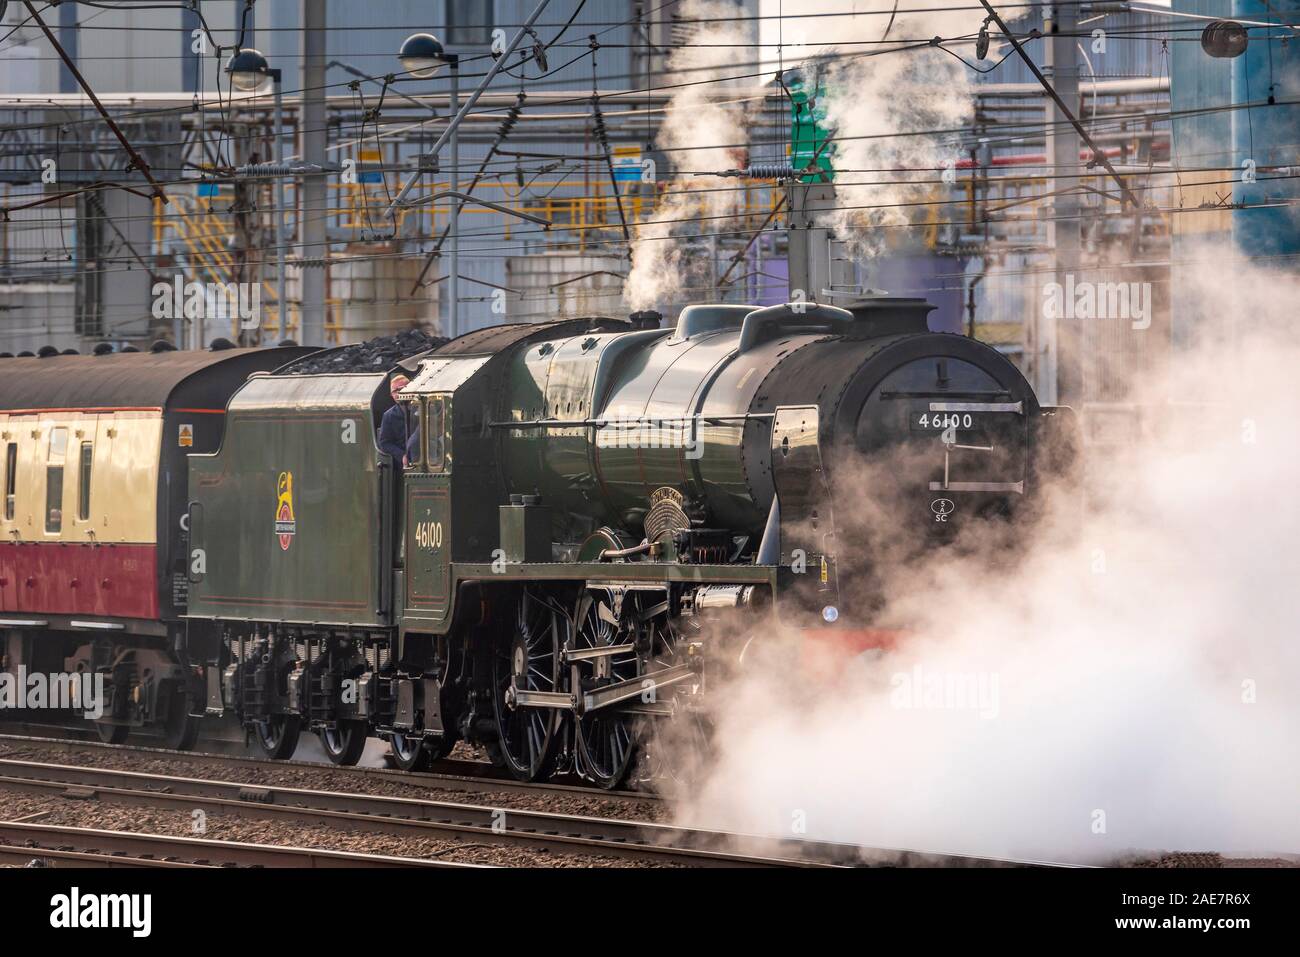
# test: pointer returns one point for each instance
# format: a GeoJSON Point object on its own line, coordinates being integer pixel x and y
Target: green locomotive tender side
{"type": "Point", "coordinates": [288, 518]}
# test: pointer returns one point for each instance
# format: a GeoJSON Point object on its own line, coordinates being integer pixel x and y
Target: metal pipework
{"type": "Point", "coordinates": [609, 553]}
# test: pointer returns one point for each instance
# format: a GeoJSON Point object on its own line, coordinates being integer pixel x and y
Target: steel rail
{"type": "Point", "coordinates": [448, 773]}
{"type": "Point", "coordinates": [132, 849]}
{"type": "Point", "coordinates": [412, 817]}
{"type": "Point", "coordinates": [603, 835]}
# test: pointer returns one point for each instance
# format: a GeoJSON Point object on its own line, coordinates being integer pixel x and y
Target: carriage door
{"type": "Point", "coordinates": [428, 514]}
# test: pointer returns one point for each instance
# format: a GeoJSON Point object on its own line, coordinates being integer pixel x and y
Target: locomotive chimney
{"type": "Point", "coordinates": [646, 319]}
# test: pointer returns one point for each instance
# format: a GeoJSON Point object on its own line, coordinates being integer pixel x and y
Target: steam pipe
{"type": "Point", "coordinates": [624, 552]}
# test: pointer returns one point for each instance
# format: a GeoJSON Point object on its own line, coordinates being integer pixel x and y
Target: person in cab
{"type": "Point", "coordinates": [395, 426]}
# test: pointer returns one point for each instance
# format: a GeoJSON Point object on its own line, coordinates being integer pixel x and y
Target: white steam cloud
{"type": "Point", "coordinates": [702, 130]}
{"type": "Point", "coordinates": [884, 101]}
{"type": "Point", "coordinates": [884, 98]}
{"type": "Point", "coordinates": [1124, 679]}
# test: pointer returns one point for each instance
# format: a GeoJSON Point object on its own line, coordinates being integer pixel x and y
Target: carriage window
{"type": "Point", "coordinates": [54, 498]}
{"type": "Point", "coordinates": [83, 481]}
{"type": "Point", "coordinates": [54, 480]}
{"type": "Point", "coordinates": [11, 480]}
{"type": "Point", "coordinates": [437, 429]}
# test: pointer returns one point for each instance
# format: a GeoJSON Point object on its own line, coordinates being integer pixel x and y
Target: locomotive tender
{"type": "Point", "coordinates": [586, 499]}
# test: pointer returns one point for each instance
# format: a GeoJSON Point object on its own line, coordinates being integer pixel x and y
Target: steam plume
{"type": "Point", "coordinates": [1135, 657]}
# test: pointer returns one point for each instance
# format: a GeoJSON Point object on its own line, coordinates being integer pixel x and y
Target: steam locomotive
{"type": "Point", "coordinates": [596, 517]}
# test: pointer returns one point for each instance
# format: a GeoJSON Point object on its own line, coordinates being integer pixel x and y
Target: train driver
{"type": "Point", "coordinates": [395, 425]}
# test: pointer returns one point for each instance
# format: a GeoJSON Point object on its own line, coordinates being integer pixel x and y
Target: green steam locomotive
{"type": "Point", "coordinates": [595, 519]}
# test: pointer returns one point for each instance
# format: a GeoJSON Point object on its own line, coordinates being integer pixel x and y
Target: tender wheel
{"type": "Point", "coordinates": [111, 733]}
{"type": "Point", "coordinates": [606, 739]}
{"type": "Point", "coordinates": [181, 729]}
{"type": "Point", "coordinates": [439, 747]}
{"type": "Point", "coordinates": [343, 744]}
{"type": "Point", "coordinates": [277, 736]}
{"type": "Point", "coordinates": [409, 753]}
{"type": "Point", "coordinates": [528, 659]}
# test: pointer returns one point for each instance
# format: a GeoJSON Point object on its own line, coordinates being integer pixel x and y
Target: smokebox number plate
{"type": "Point", "coordinates": [942, 421]}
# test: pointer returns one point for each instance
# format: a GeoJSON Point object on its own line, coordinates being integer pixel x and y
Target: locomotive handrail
{"type": "Point", "coordinates": [577, 423]}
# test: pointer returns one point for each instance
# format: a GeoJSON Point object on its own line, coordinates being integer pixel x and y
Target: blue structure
{"type": "Point", "coordinates": [1266, 81]}
{"type": "Point", "coordinates": [1223, 118]}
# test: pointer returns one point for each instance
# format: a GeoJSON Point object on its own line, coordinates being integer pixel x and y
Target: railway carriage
{"type": "Point", "coordinates": [92, 535]}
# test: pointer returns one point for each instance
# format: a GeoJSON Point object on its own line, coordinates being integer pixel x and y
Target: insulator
{"type": "Point", "coordinates": [284, 169]}
{"type": "Point", "coordinates": [768, 171]}
{"type": "Point", "coordinates": [266, 169]}
{"type": "Point", "coordinates": [508, 123]}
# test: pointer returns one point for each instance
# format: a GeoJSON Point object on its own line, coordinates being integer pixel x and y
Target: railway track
{"type": "Point", "coordinates": [573, 834]}
{"type": "Point", "coordinates": [411, 817]}
{"type": "Point", "coordinates": [28, 844]}
{"type": "Point", "coordinates": [452, 774]}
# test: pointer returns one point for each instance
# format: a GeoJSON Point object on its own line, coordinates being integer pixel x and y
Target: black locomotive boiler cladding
{"type": "Point", "coordinates": [585, 497]}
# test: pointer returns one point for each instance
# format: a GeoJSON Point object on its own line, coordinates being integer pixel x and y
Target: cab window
{"type": "Point", "coordinates": [437, 434]}
{"type": "Point", "coordinates": [415, 416]}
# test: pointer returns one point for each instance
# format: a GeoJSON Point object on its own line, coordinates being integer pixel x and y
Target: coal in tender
{"type": "Point", "coordinates": [375, 355]}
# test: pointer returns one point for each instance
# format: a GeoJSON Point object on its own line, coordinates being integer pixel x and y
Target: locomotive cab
{"type": "Point", "coordinates": [427, 519]}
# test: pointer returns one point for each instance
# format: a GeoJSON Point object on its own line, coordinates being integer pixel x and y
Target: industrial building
{"type": "Point", "coordinates": [555, 184]}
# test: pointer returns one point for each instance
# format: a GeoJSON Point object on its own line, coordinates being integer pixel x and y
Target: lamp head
{"type": "Point", "coordinates": [421, 55]}
{"type": "Point", "coordinates": [248, 70]}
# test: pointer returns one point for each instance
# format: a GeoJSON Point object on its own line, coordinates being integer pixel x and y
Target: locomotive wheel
{"type": "Point", "coordinates": [277, 736]}
{"type": "Point", "coordinates": [675, 746]}
{"type": "Point", "coordinates": [677, 749]}
{"type": "Point", "coordinates": [343, 744]}
{"type": "Point", "coordinates": [607, 742]}
{"type": "Point", "coordinates": [527, 659]}
{"type": "Point", "coordinates": [181, 729]}
{"type": "Point", "coordinates": [410, 753]}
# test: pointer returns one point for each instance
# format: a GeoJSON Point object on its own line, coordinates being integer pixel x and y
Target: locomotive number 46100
{"type": "Point", "coordinates": [428, 534]}
{"type": "Point", "coordinates": [940, 421]}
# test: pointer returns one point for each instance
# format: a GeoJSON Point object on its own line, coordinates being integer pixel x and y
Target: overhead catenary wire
{"type": "Point", "coordinates": [602, 140]}
{"type": "Point", "coordinates": [603, 157]}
